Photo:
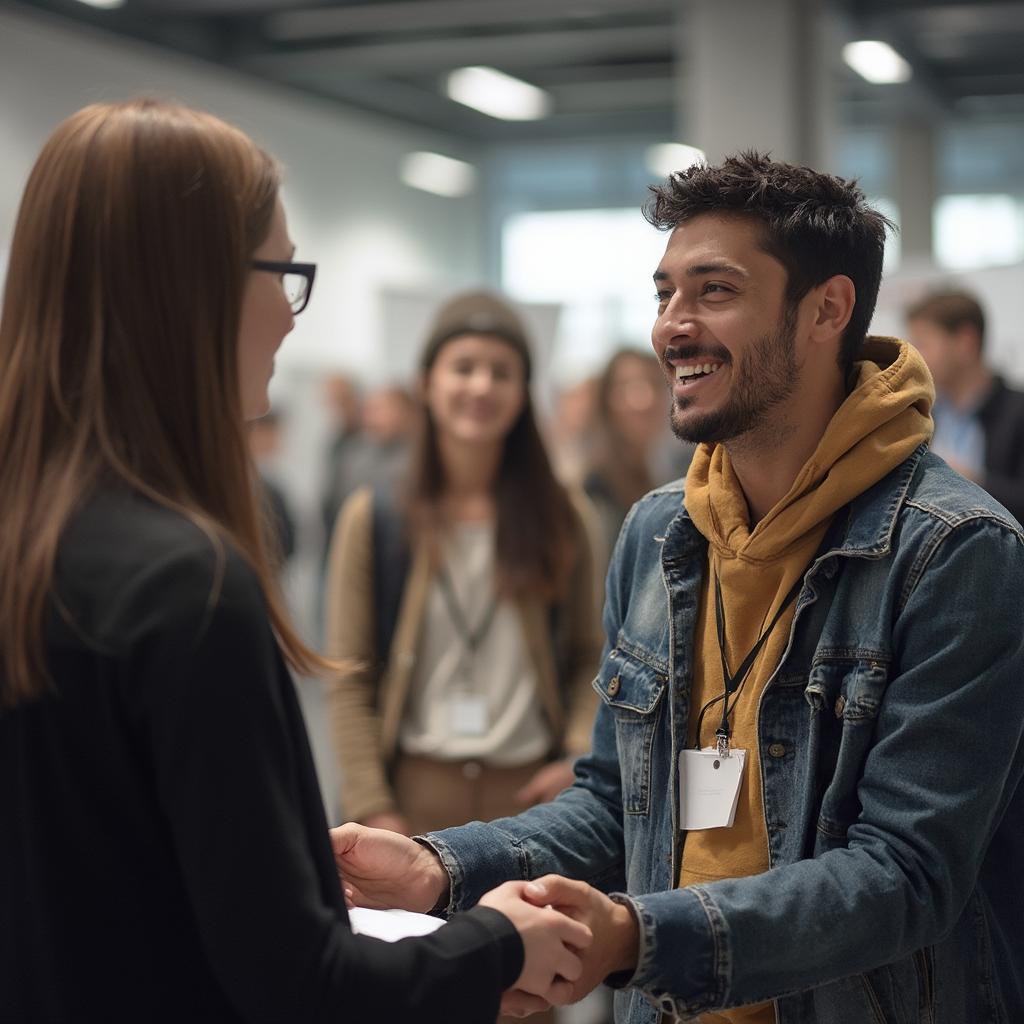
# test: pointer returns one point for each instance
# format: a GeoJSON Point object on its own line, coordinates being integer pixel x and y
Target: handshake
{"type": "Point", "coordinates": [573, 935]}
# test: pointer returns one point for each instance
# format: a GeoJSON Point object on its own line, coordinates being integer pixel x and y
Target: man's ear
{"type": "Point", "coordinates": [834, 302]}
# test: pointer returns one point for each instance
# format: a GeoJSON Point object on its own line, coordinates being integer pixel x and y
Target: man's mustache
{"type": "Point", "coordinates": [695, 352]}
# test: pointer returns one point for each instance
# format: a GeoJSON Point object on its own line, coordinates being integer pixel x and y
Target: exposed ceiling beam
{"type": "Point", "coordinates": [410, 15]}
{"type": "Point", "coordinates": [625, 94]}
{"type": "Point", "coordinates": [937, 7]}
{"type": "Point", "coordinates": [419, 56]}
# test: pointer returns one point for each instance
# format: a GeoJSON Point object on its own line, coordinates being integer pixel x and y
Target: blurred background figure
{"type": "Point", "coordinates": [569, 429]}
{"type": "Point", "coordinates": [344, 405]}
{"type": "Point", "coordinates": [265, 448]}
{"type": "Point", "coordinates": [631, 447]}
{"type": "Point", "coordinates": [464, 600]}
{"type": "Point", "coordinates": [370, 445]}
{"type": "Point", "coordinates": [979, 421]}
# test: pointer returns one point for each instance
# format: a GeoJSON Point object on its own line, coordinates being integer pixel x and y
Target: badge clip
{"type": "Point", "coordinates": [722, 743]}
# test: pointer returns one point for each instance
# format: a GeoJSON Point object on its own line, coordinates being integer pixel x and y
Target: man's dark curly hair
{"type": "Point", "coordinates": [816, 225]}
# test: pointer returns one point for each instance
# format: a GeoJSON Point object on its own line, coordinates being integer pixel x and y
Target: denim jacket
{"type": "Point", "coordinates": [891, 756]}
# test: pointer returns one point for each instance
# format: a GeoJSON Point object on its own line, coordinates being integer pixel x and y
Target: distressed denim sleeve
{"type": "Point", "coordinates": [944, 765]}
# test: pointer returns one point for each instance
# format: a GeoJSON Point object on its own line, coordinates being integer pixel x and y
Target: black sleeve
{"type": "Point", "coordinates": [230, 779]}
{"type": "Point", "coordinates": [1002, 418]}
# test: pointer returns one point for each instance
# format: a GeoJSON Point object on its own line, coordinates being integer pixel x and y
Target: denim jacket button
{"type": "Point", "coordinates": [613, 686]}
{"type": "Point", "coordinates": [777, 750]}
{"type": "Point", "coordinates": [471, 770]}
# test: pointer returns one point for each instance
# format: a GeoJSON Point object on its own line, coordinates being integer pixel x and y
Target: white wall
{"type": "Point", "coordinates": [348, 210]}
{"type": "Point", "coordinates": [1000, 290]}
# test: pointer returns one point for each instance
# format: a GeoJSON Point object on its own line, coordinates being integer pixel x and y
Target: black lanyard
{"type": "Point", "coordinates": [734, 681]}
{"type": "Point", "coordinates": [471, 638]}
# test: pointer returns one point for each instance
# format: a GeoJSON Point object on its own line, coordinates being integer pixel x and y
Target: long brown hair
{"type": "Point", "coordinates": [118, 347]}
{"type": "Point", "coordinates": [537, 530]}
{"type": "Point", "coordinates": [613, 457]}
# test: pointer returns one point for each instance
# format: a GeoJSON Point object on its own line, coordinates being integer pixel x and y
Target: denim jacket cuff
{"type": "Point", "coordinates": [442, 908]}
{"type": "Point", "coordinates": [477, 857]}
{"type": "Point", "coordinates": [625, 979]}
{"type": "Point", "coordinates": [683, 956]}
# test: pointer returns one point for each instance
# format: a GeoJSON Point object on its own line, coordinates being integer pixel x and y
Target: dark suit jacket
{"type": "Point", "coordinates": [164, 854]}
{"type": "Point", "coordinates": [1002, 419]}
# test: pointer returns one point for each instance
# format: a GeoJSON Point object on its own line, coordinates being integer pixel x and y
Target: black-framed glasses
{"type": "Point", "coordinates": [297, 279]}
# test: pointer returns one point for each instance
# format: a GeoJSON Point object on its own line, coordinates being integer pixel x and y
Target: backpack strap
{"type": "Point", "coordinates": [391, 559]}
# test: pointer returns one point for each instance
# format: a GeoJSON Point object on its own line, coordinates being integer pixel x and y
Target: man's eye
{"type": "Point", "coordinates": [712, 286]}
{"type": "Point", "coordinates": [662, 296]}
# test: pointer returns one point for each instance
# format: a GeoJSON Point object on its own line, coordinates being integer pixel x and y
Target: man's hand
{"type": "Point", "coordinates": [552, 946]}
{"type": "Point", "coordinates": [546, 783]}
{"type": "Point", "coordinates": [616, 936]}
{"type": "Point", "coordinates": [384, 870]}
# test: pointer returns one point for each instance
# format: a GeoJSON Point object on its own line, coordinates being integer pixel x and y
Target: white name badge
{"type": "Point", "coordinates": [467, 714]}
{"type": "Point", "coordinates": [709, 788]}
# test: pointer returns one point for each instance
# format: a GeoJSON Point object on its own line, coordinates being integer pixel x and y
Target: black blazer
{"type": "Point", "coordinates": [1002, 419]}
{"type": "Point", "coordinates": [163, 848]}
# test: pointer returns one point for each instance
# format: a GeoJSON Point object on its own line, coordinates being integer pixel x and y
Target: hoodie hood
{"type": "Point", "coordinates": [884, 418]}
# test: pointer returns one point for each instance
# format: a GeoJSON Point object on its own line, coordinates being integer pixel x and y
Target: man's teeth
{"type": "Point", "coordinates": [687, 370]}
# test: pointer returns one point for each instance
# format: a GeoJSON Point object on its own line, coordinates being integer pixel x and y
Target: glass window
{"type": "Point", "coordinates": [598, 265]}
{"type": "Point", "coordinates": [973, 231]}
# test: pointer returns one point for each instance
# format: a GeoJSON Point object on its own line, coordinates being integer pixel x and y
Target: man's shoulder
{"type": "Point", "coordinates": [944, 496]}
{"type": "Point", "coordinates": [658, 507]}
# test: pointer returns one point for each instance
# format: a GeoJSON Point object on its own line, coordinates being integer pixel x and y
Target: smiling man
{"type": "Point", "coordinates": [805, 771]}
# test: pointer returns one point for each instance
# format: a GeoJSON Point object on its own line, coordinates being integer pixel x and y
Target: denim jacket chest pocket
{"type": "Point", "coordinates": [632, 692]}
{"type": "Point", "coordinates": [845, 695]}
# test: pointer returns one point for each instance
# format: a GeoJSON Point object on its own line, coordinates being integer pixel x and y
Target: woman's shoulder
{"type": "Point", "coordinates": [127, 564]}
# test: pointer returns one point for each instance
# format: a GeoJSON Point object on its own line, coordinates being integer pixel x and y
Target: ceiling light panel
{"type": "Point", "coordinates": [876, 62]}
{"type": "Point", "coordinates": [432, 172]}
{"type": "Point", "coordinates": [499, 95]}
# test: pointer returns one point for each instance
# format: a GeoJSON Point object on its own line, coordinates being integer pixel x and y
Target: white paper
{"type": "Point", "coordinates": [391, 925]}
{"type": "Point", "coordinates": [709, 788]}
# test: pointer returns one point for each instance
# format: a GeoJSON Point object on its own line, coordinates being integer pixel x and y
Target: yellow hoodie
{"type": "Point", "coordinates": [885, 416]}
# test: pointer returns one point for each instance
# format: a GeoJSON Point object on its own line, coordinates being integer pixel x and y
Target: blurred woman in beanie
{"type": "Point", "coordinates": [466, 600]}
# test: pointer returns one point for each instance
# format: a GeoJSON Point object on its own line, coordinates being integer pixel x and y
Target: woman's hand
{"type": "Point", "coordinates": [552, 943]}
{"type": "Point", "coordinates": [385, 870]}
{"type": "Point", "coordinates": [613, 927]}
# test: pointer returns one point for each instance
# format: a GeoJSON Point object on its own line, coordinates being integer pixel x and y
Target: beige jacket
{"type": "Point", "coordinates": [366, 702]}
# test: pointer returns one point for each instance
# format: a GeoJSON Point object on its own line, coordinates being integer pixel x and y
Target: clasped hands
{"type": "Point", "coordinates": [573, 935]}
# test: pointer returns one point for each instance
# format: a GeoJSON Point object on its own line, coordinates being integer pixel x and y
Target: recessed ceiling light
{"type": "Point", "coordinates": [493, 92]}
{"type": "Point", "coordinates": [432, 172]}
{"type": "Point", "coordinates": [877, 62]}
{"type": "Point", "coordinates": [106, 5]}
{"type": "Point", "coordinates": [668, 157]}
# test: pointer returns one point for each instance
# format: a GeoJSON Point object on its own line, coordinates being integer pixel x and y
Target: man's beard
{"type": "Point", "coordinates": [766, 377]}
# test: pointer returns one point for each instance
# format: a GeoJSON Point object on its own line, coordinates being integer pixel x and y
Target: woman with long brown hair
{"type": "Point", "coordinates": [631, 426]}
{"type": "Point", "coordinates": [464, 602]}
{"type": "Point", "coordinates": [163, 848]}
